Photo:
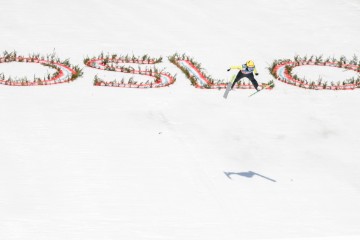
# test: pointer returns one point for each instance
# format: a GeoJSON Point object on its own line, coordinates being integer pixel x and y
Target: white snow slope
{"type": "Point", "coordinates": [79, 162]}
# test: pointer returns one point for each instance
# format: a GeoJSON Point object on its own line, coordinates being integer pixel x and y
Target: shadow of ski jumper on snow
{"type": "Point", "coordinates": [248, 174]}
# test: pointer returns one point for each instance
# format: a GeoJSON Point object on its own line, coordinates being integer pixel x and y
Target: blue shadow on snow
{"type": "Point", "coordinates": [248, 174]}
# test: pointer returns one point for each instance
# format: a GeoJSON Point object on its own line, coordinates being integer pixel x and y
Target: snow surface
{"type": "Point", "coordinates": [85, 163]}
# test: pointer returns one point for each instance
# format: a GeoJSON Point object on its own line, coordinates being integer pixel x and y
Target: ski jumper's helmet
{"type": "Point", "coordinates": [250, 63]}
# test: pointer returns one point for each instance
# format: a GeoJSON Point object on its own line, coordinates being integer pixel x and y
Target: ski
{"type": "Point", "coordinates": [228, 87]}
{"type": "Point", "coordinates": [266, 86]}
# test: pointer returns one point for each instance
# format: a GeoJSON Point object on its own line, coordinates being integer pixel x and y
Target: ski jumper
{"type": "Point", "coordinates": [247, 72]}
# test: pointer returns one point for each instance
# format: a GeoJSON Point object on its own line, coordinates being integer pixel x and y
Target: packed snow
{"type": "Point", "coordinates": [80, 162]}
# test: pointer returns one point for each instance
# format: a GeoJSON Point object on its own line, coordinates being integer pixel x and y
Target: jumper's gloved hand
{"type": "Point", "coordinates": [229, 69]}
{"type": "Point", "coordinates": [256, 74]}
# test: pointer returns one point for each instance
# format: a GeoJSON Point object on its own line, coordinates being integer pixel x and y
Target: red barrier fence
{"type": "Point", "coordinates": [63, 72]}
{"type": "Point", "coordinates": [282, 72]}
{"type": "Point", "coordinates": [158, 78]}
